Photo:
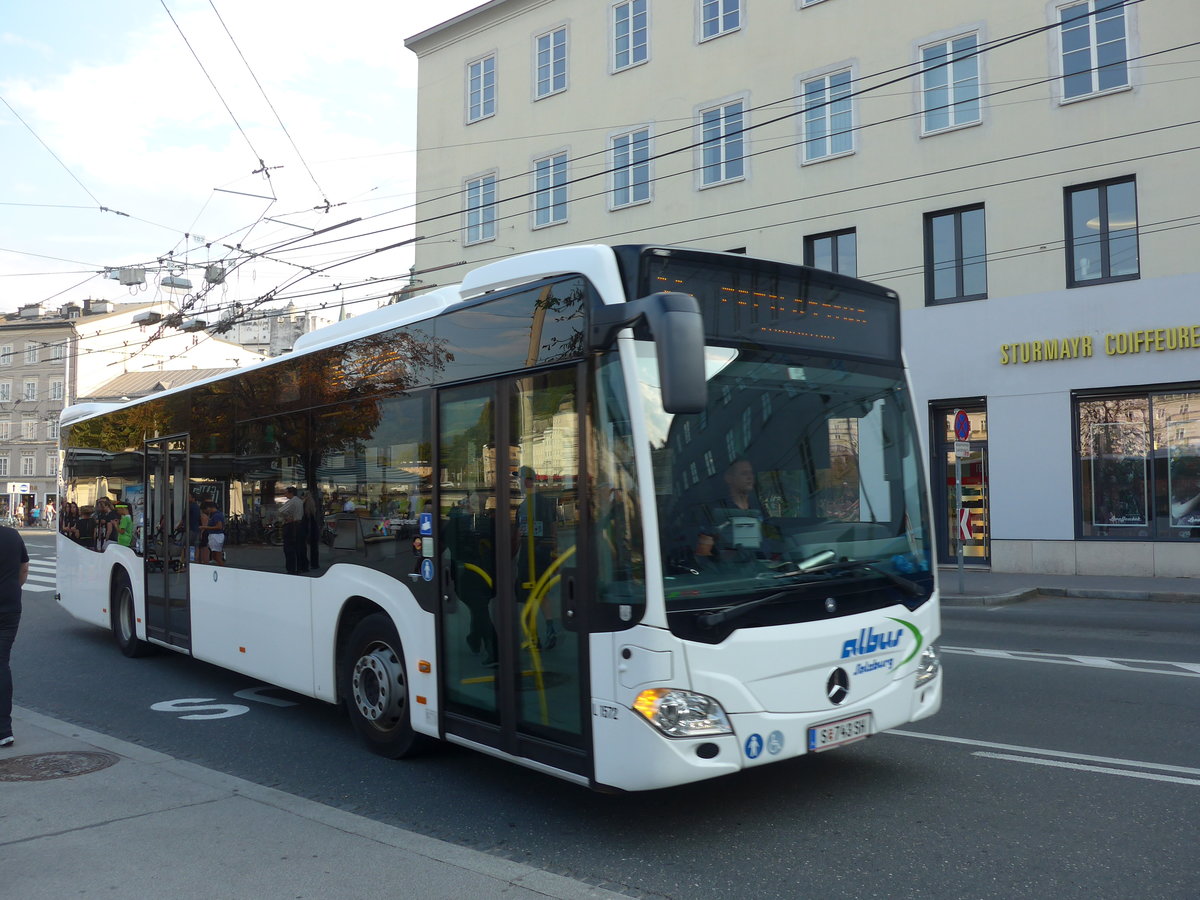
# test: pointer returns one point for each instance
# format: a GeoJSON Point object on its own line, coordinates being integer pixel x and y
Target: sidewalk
{"type": "Point", "coordinates": [981, 587]}
{"type": "Point", "coordinates": [145, 824]}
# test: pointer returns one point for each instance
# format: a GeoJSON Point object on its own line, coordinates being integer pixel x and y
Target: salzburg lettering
{"type": "Point", "coordinates": [863, 668]}
{"type": "Point", "coordinates": [1122, 343]}
{"type": "Point", "coordinates": [869, 642]}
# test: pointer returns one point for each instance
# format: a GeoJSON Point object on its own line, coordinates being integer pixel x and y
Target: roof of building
{"type": "Point", "coordinates": [142, 384]}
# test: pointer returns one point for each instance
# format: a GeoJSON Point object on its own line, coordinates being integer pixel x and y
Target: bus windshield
{"type": "Point", "coordinates": [799, 488]}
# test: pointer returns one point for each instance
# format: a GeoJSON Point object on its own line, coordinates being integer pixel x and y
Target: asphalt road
{"type": "Point", "coordinates": [1065, 763]}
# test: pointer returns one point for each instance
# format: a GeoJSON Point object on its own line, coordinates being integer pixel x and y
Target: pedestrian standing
{"type": "Point", "coordinates": [14, 569]}
{"type": "Point", "coordinates": [291, 514]}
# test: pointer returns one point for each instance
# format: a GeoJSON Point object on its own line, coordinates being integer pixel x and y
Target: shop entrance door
{"type": "Point", "coordinates": [977, 549]}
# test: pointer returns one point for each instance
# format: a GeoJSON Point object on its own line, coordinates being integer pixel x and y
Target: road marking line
{"type": "Point", "coordinates": [1162, 767]}
{"type": "Point", "coordinates": [1187, 670]}
{"type": "Point", "coordinates": [1174, 779]}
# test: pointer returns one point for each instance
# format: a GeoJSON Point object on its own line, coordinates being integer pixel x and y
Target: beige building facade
{"type": "Point", "coordinates": [1022, 173]}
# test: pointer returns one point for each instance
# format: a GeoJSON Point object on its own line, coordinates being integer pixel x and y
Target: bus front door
{"type": "Point", "coordinates": [513, 660]}
{"type": "Point", "coordinates": [168, 536]}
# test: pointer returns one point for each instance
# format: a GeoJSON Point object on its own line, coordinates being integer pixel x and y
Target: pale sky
{"type": "Point", "coordinates": [104, 105]}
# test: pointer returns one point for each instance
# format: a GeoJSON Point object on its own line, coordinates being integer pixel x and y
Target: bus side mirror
{"type": "Point", "coordinates": [675, 325]}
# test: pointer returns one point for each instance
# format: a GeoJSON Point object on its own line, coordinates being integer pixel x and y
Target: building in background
{"type": "Point", "coordinates": [273, 332]}
{"type": "Point", "coordinates": [51, 359]}
{"type": "Point", "coordinates": [1022, 173]}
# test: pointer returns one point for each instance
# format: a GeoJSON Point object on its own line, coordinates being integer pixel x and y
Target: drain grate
{"type": "Point", "coordinates": [48, 766]}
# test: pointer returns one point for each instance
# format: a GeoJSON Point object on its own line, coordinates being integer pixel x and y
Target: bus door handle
{"type": "Point", "coordinates": [448, 593]}
{"type": "Point", "coordinates": [570, 601]}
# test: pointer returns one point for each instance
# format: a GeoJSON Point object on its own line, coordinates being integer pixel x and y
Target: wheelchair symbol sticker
{"type": "Point", "coordinates": [775, 742]}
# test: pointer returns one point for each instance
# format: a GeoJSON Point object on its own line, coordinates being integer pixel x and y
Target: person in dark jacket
{"type": "Point", "coordinates": [14, 569]}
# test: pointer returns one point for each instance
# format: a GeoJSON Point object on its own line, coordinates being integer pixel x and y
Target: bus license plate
{"type": "Point", "coordinates": [843, 731]}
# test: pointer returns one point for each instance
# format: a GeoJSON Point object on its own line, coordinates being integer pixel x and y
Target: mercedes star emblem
{"type": "Point", "coordinates": [838, 686]}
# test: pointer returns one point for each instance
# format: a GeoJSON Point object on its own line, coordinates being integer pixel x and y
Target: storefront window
{"type": "Point", "coordinates": [1139, 466]}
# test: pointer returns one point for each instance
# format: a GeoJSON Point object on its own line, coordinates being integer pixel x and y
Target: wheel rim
{"type": "Point", "coordinates": [125, 615]}
{"type": "Point", "coordinates": [377, 686]}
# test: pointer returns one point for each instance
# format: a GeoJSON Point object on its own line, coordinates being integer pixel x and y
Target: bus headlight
{"type": "Point", "coordinates": [679, 713]}
{"type": "Point", "coordinates": [927, 666]}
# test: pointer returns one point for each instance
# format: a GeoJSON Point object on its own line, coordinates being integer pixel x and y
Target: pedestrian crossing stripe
{"type": "Point", "coordinates": [41, 575]}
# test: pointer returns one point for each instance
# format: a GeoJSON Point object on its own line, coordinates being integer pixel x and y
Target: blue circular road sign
{"type": "Point", "coordinates": [962, 425]}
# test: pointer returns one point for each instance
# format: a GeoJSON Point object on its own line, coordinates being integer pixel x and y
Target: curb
{"type": "Point", "coordinates": [1023, 594]}
{"type": "Point", "coordinates": [1017, 596]}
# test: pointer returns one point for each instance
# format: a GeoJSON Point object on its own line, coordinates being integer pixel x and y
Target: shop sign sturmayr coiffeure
{"type": "Point", "coordinates": [1121, 343]}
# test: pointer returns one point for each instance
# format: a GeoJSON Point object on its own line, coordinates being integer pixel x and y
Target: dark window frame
{"type": "Point", "coordinates": [1154, 528]}
{"type": "Point", "coordinates": [810, 255]}
{"type": "Point", "coordinates": [1105, 240]}
{"type": "Point", "coordinates": [959, 260]}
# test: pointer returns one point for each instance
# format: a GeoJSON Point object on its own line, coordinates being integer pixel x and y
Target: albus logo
{"type": "Point", "coordinates": [868, 641]}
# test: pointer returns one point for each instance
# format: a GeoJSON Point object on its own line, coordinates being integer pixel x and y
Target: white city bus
{"type": "Point", "coordinates": [631, 516]}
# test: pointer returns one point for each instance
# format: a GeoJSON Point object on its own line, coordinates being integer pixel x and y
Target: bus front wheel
{"type": "Point", "coordinates": [376, 688]}
{"type": "Point", "coordinates": [124, 618]}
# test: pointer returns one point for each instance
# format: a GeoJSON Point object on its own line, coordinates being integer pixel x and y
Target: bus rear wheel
{"type": "Point", "coordinates": [376, 689]}
{"type": "Point", "coordinates": [124, 619]}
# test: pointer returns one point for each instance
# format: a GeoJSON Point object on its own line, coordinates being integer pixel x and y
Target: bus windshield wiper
{"type": "Point", "coordinates": [712, 619]}
{"type": "Point", "coordinates": [870, 565]}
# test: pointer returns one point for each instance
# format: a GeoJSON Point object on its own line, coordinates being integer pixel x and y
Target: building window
{"type": "Point", "coordinates": [52, 464]}
{"type": "Point", "coordinates": [5, 391]}
{"type": "Point", "coordinates": [27, 465]}
{"type": "Point", "coordinates": [31, 354]}
{"type": "Point", "coordinates": [630, 34]}
{"type": "Point", "coordinates": [57, 351]}
{"type": "Point", "coordinates": [6, 355]}
{"type": "Point", "coordinates": [52, 429]}
{"type": "Point", "coordinates": [29, 429]}
{"type": "Point", "coordinates": [1093, 47]}
{"type": "Point", "coordinates": [3, 466]}
{"type": "Point", "coordinates": [718, 17]}
{"type": "Point", "coordinates": [631, 167]}
{"type": "Point", "coordinates": [481, 89]}
{"type": "Point", "coordinates": [828, 120]}
{"type": "Point", "coordinates": [721, 146]}
{"type": "Point", "coordinates": [836, 251]}
{"type": "Point", "coordinates": [481, 209]}
{"type": "Point", "coordinates": [955, 255]}
{"type": "Point", "coordinates": [30, 390]}
{"type": "Point", "coordinates": [5, 429]}
{"type": "Point", "coordinates": [550, 190]}
{"type": "Point", "coordinates": [1102, 232]}
{"type": "Point", "coordinates": [56, 390]}
{"type": "Point", "coordinates": [551, 63]}
{"type": "Point", "coordinates": [1138, 458]}
{"type": "Point", "coordinates": [950, 83]}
